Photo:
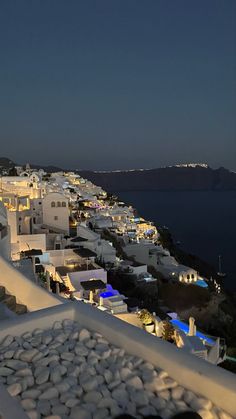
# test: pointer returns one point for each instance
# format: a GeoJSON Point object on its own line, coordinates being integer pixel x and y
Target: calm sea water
{"type": "Point", "coordinates": [203, 222]}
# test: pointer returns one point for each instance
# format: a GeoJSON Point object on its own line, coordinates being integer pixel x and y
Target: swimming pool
{"type": "Point", "coordinates": [107, 294]}
{"type": "Point", "coordinates": [185, 328]}
{"type": "Point", "coordinates": [201, 283]}
{"type": "Point", "coordinates": [110, 292]}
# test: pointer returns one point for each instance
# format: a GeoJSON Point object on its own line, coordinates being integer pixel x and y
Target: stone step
{"type": "Point", "coordinates": [10, 302]}
{"type": "Point", "coordinates": [2, 292]}
{"type": "Point", "coordinates": [20, 309]}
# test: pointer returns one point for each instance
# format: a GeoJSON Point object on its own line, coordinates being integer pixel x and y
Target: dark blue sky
{"type": "Point", "coordinates": [118, 84]}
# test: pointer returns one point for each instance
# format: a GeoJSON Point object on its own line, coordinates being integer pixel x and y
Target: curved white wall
{"type": "Point", "coordinates": [26, 291]}
{"type": "Point", "coordinates": [198, 375]}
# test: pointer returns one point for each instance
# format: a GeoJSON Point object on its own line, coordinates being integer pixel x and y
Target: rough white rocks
{"type": "Point", "coordinates": [28, 404]}
{"type": "Point", "coordinates": [24, 372]}
{"type": "Point", "coordinates": [33, 414]}
{"type": "Point", "coordinates": [80, 412]}
{"type": "Point", "coordinates": [139, 398]}
{"type": "Point", "coordinates": [7, 341]}
{"type": "Point", "coordinates": [158, 403]}
{"type": "Point", "coordinates": [5, 371]}
{"type": "Point", "coordinates": [101, 414]}
{"type": "Point", "coordinates": [71, 402]}
{"type": "Point", "coordinates": [84, 334]}
{"type": "Point", "coordinates": [49, 394]}
{"type": "Point", "coordinates": [43, 376]}
{"type": "Point", "coordinates": [28, 355]}
{"type": "Point", "coordinates": [121, 396]}
{"type": "Point", "coordinates": [90, 384]}
{"type": "Point", "coordinates": [135, 382]}
{"type": "Point", "coordinates": [60, 409]}
{"type": "Point", "coordinates": [71, 372]}
{"type": "Point", "coordinates": [177, 393]}
{"type": "Point", "coordinates": [14, 389]}
{"type": "Point", "coordinates": [31, 394]}
{"type": "Point", "coordinates": [53, 417]}
{"type": "Point", "coordinates": [9, 354]}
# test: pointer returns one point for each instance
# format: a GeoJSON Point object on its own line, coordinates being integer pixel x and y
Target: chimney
{"type": "Point", "coordinates": [192, 327]}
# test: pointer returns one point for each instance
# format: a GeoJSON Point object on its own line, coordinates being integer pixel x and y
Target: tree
{"type": "Point", "coordinates": [12, 171]}
{"type": "Point", "coordinates": [168, 331]}
{"type": "Point", "coordinates": [145, 316]}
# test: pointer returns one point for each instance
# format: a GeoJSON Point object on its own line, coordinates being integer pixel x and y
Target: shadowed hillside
{"type": "Point", "coordinates": [169, 178]}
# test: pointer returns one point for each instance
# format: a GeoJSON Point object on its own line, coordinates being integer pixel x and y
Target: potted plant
{"type": "Point", "coordinates": [168, 331]}
{"type": "Point", "coordinates": [147, 320]}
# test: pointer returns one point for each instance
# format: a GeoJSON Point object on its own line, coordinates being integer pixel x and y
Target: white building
{"type": "Point", "coordinates": [160, 259]}
{"type": "Point", "coordinates": [4, 233]}
{"type": "Point", "coordinates": [93, 241]}
{"type": "Point", "coordinates": [56, 212]}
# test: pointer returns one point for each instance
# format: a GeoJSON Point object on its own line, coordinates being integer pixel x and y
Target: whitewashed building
{"type": "Point", "coordinates": [56, 212]}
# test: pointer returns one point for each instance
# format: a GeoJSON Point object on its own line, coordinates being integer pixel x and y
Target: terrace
{"type": "Point", "coordinates": [93, 365]}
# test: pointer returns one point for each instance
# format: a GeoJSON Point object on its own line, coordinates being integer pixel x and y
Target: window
{"type": "Point", "coordinates": [53, 204]}
{"type": "Point", "coordinates": [55, 217]}
{"type": "Point", "coordinates": [188, 276]}
{"type": "Point", "coordinates": [40, 203]}
{"type": "Point", "coordinates": [192, 276]}
{"type": "Point", "coordinates": [63, 204]}
{"type": "Point", "coordinates": [58, 204]}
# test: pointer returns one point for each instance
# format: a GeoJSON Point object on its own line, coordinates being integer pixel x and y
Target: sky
{"type": "Point", "coordinates": [118, 84]}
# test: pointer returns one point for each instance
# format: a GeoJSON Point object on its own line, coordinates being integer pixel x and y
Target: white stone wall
{"type": "Point", "coordinates": [56, 216]}
{"type": "Point", "coordinates": [31, 241]}
{"type": "Point", "coordinates": [207, 380]}
{"type": "Point", "coordinates": [26, 292]}
{"type": "Point", "coordinates": [77, 277]}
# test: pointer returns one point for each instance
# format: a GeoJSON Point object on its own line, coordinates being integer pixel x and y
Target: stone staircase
{"type": "Point", "coordinates": [9, 301]}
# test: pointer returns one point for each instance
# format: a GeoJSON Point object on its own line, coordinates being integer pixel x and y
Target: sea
{"type": "Point", "coordinates": [202, 222]}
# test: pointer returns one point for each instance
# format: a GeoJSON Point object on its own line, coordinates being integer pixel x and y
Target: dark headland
{"type": "Point", "coordinates": [175, 178]}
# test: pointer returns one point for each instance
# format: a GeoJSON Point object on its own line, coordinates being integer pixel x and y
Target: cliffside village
{"type": "Point", "coordinates": [64, 234]}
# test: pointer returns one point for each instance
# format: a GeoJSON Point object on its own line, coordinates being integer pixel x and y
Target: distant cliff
{"type": "Point", "coordinates": [168, 178]}
{"type": "Point", "coordinates": [6, 163]}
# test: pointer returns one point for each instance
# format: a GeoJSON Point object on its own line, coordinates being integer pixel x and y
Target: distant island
{"type": "Point", "coordinates": [174, 178]}
{"type": "Point", "coordinates": [181, 177]}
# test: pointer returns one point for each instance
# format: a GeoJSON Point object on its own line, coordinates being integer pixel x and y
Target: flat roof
{"type": "Point", "coordinates": [32, 252]}
{"type": "Point", "coordinates": [79, 239]}
{"type": "Point", "coordinates": [85, 253]}
{"type": "Point", "coordinates": [93, 284]}
{"type": "Point", "coordinates": [64, 270]}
